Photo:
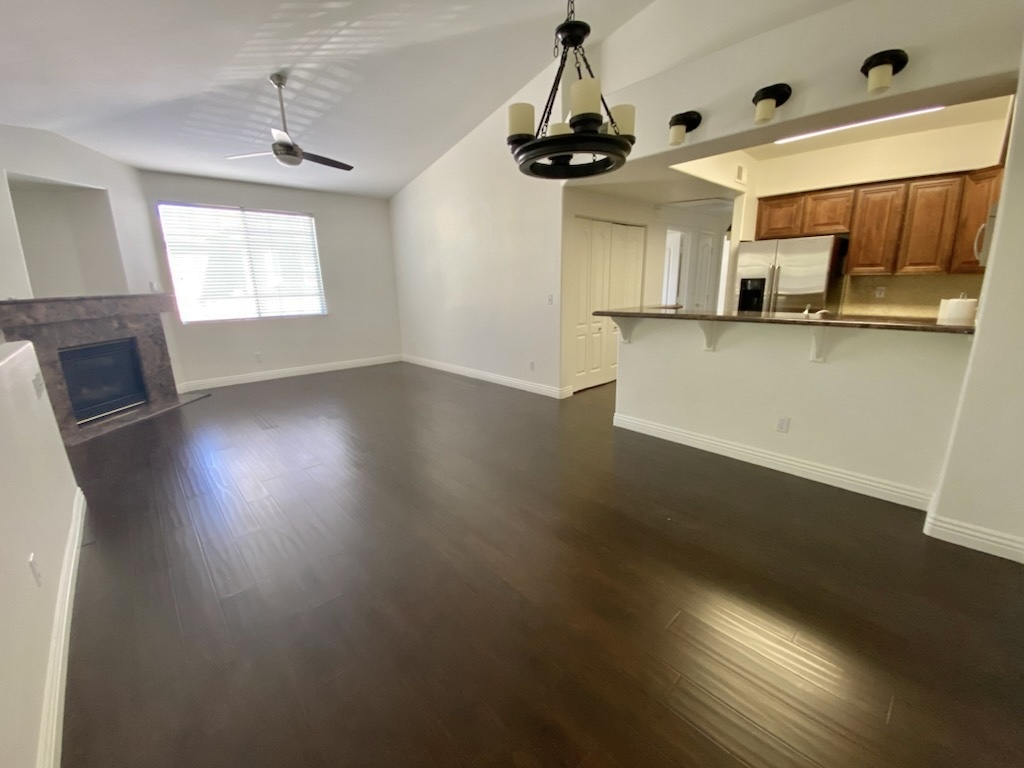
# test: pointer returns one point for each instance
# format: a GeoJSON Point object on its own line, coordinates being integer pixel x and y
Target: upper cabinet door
{"type": "Point", "coordinates": [981, 193]}
{"type": "Point", "coordinates": [929, 229]}
{"type": "Point", "coordinates": [780, 216]}
{"type": "Point", "coordinates": [877, 222]}
{"type": "Point", "coordinates": [828, 213]}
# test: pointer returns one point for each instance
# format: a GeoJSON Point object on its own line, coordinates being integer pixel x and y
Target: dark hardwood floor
{"type": "Point", "coordinates": [398, 567]}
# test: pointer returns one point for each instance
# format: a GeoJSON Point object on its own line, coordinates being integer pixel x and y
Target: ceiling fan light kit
{"type": "Point", "coordinates": [284, 149]}
{"type": "Point", "coordinates": [585, 146]}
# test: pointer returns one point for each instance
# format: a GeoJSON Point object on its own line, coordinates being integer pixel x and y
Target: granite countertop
{"type": "Point", "coordinates": [790, 318]}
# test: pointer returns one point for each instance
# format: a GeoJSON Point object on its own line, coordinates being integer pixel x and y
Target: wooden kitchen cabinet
{"type": "Point", "coordinates": [780, 216]}
{"type": "Point", "coordinates": [981, 193]}
{"type": "Point", "coordinates": [875, 228]}
{"type": "Point", "coordinates": [828, 212]}
{"type": "Point", "coordinates": [930, 225]}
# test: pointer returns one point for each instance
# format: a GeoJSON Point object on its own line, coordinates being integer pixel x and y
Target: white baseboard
{"type": "Point", "coordinates": [975, 537]}
{"type": "Point", "coordinates": [283, 373]}
{"type": "Point", "coordinates": [822, 473]}
{"type": "Point", "coordinates": [506, 381]}
{"type": "Point", "coordinates": [51, 727]}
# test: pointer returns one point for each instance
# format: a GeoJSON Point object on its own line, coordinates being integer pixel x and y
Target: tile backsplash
{"type": "Point", "coordinates": [906, 295]}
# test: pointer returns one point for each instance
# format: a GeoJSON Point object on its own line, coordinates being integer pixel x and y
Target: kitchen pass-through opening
{"type": "Point", "coordinates": [103, 378]}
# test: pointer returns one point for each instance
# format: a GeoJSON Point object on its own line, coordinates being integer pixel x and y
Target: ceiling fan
{"type": "Point", "coordinates": [284, 149]}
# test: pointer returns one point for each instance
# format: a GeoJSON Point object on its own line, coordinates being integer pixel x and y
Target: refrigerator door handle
{"type": "Point", "coordinates": [775, 288]}
{"type": "Point", "coordinates": [978, 241]}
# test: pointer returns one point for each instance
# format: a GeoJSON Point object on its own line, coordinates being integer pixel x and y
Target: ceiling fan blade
{"type": "Point", "coordinates": [326, 161]}
{"type": "Point", "coordinates": [281, 137]}
{"type": "Point", "coordinates": [250, 154]}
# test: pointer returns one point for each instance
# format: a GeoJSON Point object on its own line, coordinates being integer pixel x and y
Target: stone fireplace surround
{"type": "Point", "coordinates": [55, 324]}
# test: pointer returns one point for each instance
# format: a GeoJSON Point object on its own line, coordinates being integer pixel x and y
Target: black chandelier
{"type": "Point", "coordinates": [586, 145]}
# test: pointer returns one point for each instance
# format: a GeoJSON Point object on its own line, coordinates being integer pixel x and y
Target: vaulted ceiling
{"type": "Point", "coordinates": [387, 85]}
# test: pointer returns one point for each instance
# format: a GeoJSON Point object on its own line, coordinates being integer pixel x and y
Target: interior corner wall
{"type": "Point", "coordinates": [361, 324]}
{"type": "Point", "coordinates": [43, 155]}
{"type": "Point", "coordinates": [478, 257]}
{"type": "Point", "coordinates": [979, 501]}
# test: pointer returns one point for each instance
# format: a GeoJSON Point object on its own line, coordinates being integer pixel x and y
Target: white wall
{"type": "Point", "coordinates": [43, 155]}
{"type": "Point", "coordinates": [356, 263]}
{"type": "Point", "coordinates": [68, 240]}
{"type": "Point", "coordinates": [477, 247]}
{"type": "Point", "coordinates": [669, 32]}
{"type": "Point", "coordinates": [37, 516]}
{"type": "Point", "coordinates": [979, 503]}
{"type": "Point", "coordinates": [875, 418]}
{"type": "Point", "coordinates": [959, 51]}
{"type": "Point", "coordinates": [944, 150]}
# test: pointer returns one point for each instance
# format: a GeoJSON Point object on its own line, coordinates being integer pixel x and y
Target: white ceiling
{"type": "Point", "coordinates": [386, 85]}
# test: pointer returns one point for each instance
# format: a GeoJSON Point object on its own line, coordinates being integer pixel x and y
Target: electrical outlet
{"type": "Point", "coordinates": [34, 567]}
{"type": "Point", "coordinates": [880, 292]}
{"type": "Point", "coordinates": [532, 366]}
{"type": "Point", "coordinates": [259, 357]}
{"type": "Point", "coordinates": [782, 424]}
{"type": "Point", "coordinates": [551, 299]}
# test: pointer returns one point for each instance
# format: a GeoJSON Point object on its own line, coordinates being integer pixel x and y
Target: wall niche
{"type": "Point", "coordinates": [68, 238]}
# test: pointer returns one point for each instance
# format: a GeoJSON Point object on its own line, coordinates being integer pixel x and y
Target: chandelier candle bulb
{"type": "Point", "coordinates": [585, 96]}
{"type": "Point", "coordinates": [521, 119]}
{"type": "Point", "coordinates": [625, 117]}
{"type": "Point", "coordinates": [559, 129]}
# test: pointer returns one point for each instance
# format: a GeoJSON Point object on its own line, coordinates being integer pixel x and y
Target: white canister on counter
{"type": "Point", "coordinates": [961, 311]}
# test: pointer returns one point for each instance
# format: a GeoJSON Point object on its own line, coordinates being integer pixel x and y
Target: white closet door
{"type": "Point", "coordinates": [626, 279]}
{"type": "Point", "coordinates": [579, 285]}
{"type": "Point", "coordinates": [600, 261]}
{"type": "Point", "coordinates": [607, 273]}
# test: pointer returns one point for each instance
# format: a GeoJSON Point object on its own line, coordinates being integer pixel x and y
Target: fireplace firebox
{"type": "Point", "coordinates": [103, 378]}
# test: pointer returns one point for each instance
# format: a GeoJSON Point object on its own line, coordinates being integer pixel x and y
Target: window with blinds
{"type": "Point", "coordinates": [234, 263]}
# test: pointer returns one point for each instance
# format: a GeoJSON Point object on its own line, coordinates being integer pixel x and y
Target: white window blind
{"type": "Point", "coordinates": [234, 263]}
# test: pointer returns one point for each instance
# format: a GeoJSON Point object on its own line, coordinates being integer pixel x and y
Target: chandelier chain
{"type": "Point", "coordinates": [545, 118]}
{"type": "Point", "coordinates": [570, 15]}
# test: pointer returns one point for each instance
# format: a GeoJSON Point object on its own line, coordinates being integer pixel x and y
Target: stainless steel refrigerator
{"type": "Point", "coordinates": [789, 275]}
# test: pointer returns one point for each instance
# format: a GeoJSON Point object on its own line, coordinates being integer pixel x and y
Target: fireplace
{"type": "Point", "coordinates": [69, 335]}
{"type": "Point", "coordinates": [103, 378]}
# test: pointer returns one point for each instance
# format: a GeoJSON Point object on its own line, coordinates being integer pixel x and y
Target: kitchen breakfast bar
{"type": "Point", "coordinates": [861, 403]}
